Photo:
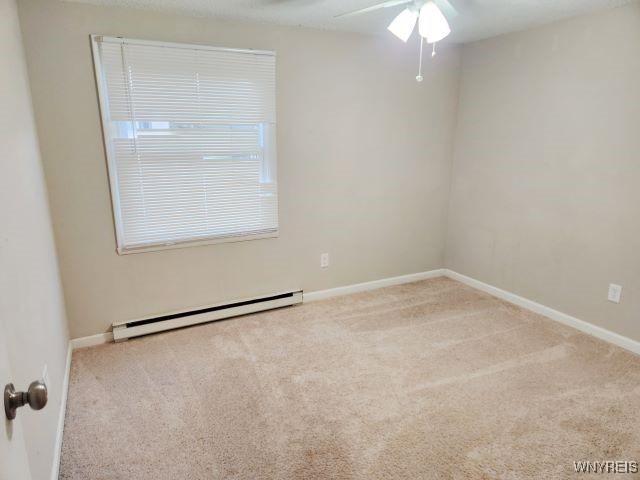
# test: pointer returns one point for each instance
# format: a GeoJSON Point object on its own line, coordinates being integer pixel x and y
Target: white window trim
{"type": "Point", "coordinates": [196, 243]}
{"type": "Point", "coordinates": [111, 164]}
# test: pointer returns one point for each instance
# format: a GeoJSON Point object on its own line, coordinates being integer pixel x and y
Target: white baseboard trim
{"type": "Point", "coordinates": [91, 341]}
{"type": "Point", "coordinates": [363, 287]}
{"type": "Point", "coordinates": [101, 338]}
{"type": "Point", "coordinates": [55, 468]}
{"type": "Point", "coordinates": [586, 327]}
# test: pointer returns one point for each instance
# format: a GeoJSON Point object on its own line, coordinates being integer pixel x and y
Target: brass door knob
{"type": "Point", "coordinates": [36, 397]}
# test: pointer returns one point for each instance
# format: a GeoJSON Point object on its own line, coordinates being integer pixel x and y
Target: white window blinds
{"type": "Point", "coordinates": [190, 139]}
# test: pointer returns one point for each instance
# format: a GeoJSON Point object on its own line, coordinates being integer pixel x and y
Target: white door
{"type": "Point", "coordinates": [13, 455]}
{"type": "Point", "coordinates": [33, 331]}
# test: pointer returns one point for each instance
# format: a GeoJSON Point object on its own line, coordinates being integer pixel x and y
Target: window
{"type": "Point", "coordinates": [190, 140]}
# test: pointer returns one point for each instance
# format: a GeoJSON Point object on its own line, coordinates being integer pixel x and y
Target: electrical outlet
{"type": "Point", "coordinates": [615, 292]}
{"type": "Point", "coordinates": [324, 260]}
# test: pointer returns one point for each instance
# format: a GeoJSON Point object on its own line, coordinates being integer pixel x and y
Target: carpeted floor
{"type": "Point", "coordinates": [427, 380]}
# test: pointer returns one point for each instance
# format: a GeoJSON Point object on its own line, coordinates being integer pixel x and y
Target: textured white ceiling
{"type": "Point", "coordinates": [477, 19]}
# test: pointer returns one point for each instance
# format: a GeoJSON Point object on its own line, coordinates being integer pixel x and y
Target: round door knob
{"type": "Point", "coordinates": [36, 396]}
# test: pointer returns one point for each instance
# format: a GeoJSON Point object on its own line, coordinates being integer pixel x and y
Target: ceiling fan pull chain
{"type": "Point", "coordinates": [419, 78]}
{"type": "Point", "coordinates": [433, 53]}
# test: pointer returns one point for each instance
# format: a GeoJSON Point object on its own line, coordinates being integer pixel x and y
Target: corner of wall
{"type": "Point", "coordinates": [452, 154]}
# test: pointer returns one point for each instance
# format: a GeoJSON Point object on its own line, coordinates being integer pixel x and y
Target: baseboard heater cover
{"type": "Point", "coordinates": [170, 321]}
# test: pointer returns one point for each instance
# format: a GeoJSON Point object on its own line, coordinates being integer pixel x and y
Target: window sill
{"type": "Point", "coordinates": [195, 243]}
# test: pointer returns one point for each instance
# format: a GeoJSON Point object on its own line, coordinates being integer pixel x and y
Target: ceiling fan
{"type": "Point", "coordinates": [432, 23]}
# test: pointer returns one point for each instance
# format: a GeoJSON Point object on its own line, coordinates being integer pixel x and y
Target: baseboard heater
{"type": "Point", "coordinates": [169, 321]}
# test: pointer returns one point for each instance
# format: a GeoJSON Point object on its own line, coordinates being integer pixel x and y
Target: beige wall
{"type": "Point", "coordinates": [546, 188]}
{"type": "Point", "coordinates": [543, 203]}
{"type": "Point", "coordinates": [363, 152]}
{"type": "Point", "coordinates": [33, 330]}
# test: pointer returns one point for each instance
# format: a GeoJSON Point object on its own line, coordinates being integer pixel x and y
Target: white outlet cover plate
{"type": "Point", "coordinates": [615, 292]}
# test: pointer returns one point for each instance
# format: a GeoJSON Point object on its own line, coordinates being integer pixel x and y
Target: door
{"type": "Point", "coordinates": [13, 455]}
{"type": "Point", "coordinates": [33, 331]}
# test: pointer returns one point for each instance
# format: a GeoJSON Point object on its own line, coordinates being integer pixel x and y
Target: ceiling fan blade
{"type": "Point", "coordinates": [390, 3]}
{"type": "Point", "coordinates": [447, 8]}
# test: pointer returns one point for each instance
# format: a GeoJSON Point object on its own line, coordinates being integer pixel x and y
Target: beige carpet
{"type": "Point", "coordinates": [426, 380]}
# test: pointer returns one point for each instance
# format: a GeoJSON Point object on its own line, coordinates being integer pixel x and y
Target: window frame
{"type": "Point", "coordinates": [105, 118]}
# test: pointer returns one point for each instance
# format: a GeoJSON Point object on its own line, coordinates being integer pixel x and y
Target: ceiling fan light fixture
{"type": "Point", "coordinates": [403, 25]}
{"type": "Point", "coordinates": [433, 25]}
